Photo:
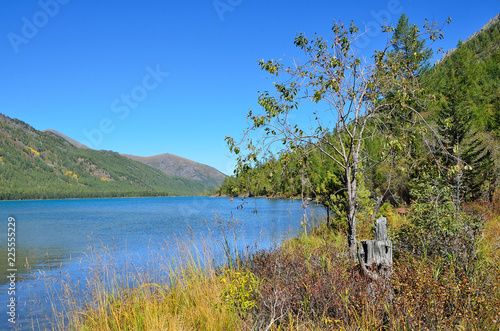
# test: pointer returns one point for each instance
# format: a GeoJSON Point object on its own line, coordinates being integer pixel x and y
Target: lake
{"type": "Point", "coordinates": [57, 240]}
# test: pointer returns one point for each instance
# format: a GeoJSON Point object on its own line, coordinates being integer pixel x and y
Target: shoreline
{"type": "Point", "coordinates": [167, 196]}
{"type": "Point", "coordinates": [98, 198]}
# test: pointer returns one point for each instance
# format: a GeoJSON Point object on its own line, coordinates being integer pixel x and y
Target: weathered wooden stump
{"type": "Point", "coordinates": [379, 250]}
{"type": "Point", "coordinates": [377, 262]}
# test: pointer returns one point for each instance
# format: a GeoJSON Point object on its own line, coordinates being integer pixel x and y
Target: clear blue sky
{"type": "Point", "coordinates": [151, 77]}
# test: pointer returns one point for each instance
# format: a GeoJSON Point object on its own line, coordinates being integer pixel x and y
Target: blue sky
{"type": "Point", "coordinates": [154, 77]}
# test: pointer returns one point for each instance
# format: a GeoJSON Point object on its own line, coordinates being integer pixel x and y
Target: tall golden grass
{"type": "Point", "coordinates": [180, 292]}
{"type": "Point", "coordinates": [306, 284]}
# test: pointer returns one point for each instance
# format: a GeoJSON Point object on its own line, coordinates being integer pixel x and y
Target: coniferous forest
{"type": "Point", "coordinates": [42, 165]}
{"type": "Point", "coordinates": [463, 116]}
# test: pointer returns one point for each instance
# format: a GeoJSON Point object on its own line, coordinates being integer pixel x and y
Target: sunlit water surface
{"type": "Point", "coordinates": [59, 241]}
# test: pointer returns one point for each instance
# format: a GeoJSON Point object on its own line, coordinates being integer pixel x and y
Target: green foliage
{"type": "Point", "coordinates": [406, 41]}
{"type": "Point", "coordinates": [462, 106]}
{"type": "Point", "coordinates": [385, 210]}
{"type": "Point", "coordinates": [354, 101]}
{"type": "Point", "coordinates": [42, 165]}
{"type": "Point", "coordinates": [466, 86]}
{"type": "Point", "coordinates": [240, 289]}
{"type": "Point", "coordinates": [438, 227]}
{"type": "Point", "coordinates": [275, 177]}
{"type": "Point", "coordinates": [433, 209]}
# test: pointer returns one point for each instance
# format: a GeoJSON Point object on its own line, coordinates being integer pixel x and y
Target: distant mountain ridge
{"type": "Point", "coordinates": [490, 23]}
{"type": "Point", "coordinates": [68, 139]}
{"type": "Point", "coordinates": [46, 165]}
{"type": "Point", "coordinates": [174, 165]}
{"type": "Point", "coordinates": [169, 164]}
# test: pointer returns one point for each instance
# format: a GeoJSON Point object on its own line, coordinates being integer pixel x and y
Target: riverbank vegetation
{"type": "Point", "coordinates": [389, 133]}
{"type": "Point", "coordinates": [308, 283]}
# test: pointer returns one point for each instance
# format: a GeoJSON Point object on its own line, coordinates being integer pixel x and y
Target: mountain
{"type": "Point", "coordinates": [174, 165]}
{"type": "Point", "coordinates": [44, 165]}
{"type": "Point", "coordinates": [495, 20]}
{"type": "Point", "coordinates": [169, 164]}
{"type": "Point", "coordinates": [68, 139]}
{"type": "Point", "coordinates": [491, 23]}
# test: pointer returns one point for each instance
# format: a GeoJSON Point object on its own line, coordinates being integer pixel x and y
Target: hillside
{"type": "Point", "coordinates": [171, 165]}
{"type": "Point", "coordinates": [486, 29]}
{"type": "Point", "coordinates": [464, 110]}
{"type": "Point", "coordinates": [43, 165]}
{"type": "Point", "coordinates": [174, 165]}
{"type": "Point", "coordinates": [68, 139]}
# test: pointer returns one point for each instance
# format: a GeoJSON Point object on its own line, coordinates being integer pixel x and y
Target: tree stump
{"type": "Point", "coordinates": [379, 250]}
{"type": "Point", "coordinates": [377, 262]}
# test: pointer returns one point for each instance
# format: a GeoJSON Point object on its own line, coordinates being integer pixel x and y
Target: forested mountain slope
{"type": "Point", "coordinates": [466, 111]}
{"type": "Point", "coordinates": [171, 165]}
{"type": "Point", "coordinates": [43, 165]}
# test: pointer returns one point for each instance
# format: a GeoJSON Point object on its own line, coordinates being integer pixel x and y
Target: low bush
{"type": "Point", "coordinates": [311, 284]}
{"type": "Point", "coordinates": [314, 287]}
{"type": "Point", "coordinates": [431, 294]}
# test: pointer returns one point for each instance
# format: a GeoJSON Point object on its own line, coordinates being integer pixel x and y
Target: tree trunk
{"type": "Point", "coordinates": [378, 252]}
{"type": "Point", "coordinates": [351, 212]}
{"type": "Point", "coordinates": [351, 235]}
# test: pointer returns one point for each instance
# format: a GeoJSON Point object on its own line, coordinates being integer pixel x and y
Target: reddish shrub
{"type": "Point", "coordinates": [312, 287]}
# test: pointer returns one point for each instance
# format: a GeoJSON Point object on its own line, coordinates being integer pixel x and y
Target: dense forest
{"type": "Point", "coordinates": [42, 165]}
{"type": "Point", "coordinates": [464, 112]}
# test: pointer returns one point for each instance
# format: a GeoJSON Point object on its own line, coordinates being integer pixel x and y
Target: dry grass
{"type": "Point", "coordinates": [192, 302]}
{"type": "Point", "coordinates": [180, 291]}
{"type": "Point", "coordinates": [308, 284]}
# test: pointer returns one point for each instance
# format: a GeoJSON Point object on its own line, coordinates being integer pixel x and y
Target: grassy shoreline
{"type": "Point", "coordinates": [308, 283]}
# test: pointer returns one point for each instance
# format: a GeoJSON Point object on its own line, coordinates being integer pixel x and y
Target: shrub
{"type": "Point", "coordinates": [437, 226]}
{"type": "Point", "coordinates": [429, 295]}
{"type": "Point", "coordinates": [240, 289]}
{"type": "Point", "coordinates": [319, 287]}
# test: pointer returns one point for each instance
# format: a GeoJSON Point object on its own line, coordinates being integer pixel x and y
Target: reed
{"type": "Point", "coordinates": [308, 283]}
{"type": "Point", "coordinates": [176, 286]}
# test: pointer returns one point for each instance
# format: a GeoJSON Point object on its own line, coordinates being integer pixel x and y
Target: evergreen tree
{"type": "Point", "coordinates": [404, 146]}
{"type": "Point", "coordinates": [455, 120]}
{"type": "Point", "coordinates": [414, 54]}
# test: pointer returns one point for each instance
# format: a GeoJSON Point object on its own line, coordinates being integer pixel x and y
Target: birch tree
{"type": "Point", "coordinates": [347, 98]}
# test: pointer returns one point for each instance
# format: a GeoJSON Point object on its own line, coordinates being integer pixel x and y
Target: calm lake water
{"type": "Point", "coordinates": [56, 239]}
